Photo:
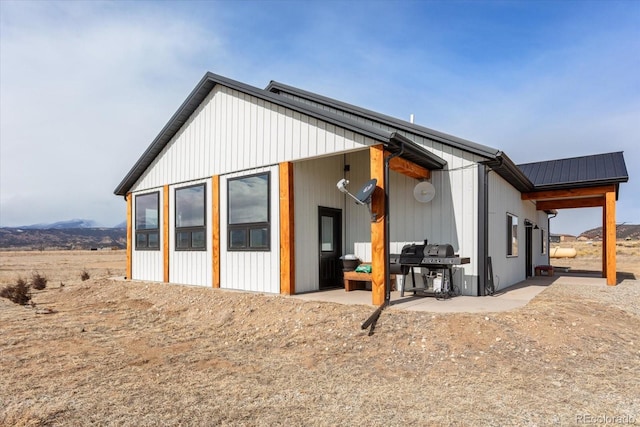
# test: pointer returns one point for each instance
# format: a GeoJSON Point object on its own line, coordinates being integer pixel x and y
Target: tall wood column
{"type": "Point", "coordinates": [378, 245]}
{"type": "Point", "coordinates": [609, 247]}
{"type": "Point", "coordinates": [165, 233]}
{"type": "Point", "coordinates": [129, 234]}
{"type": "Point", "coordinates": [287, 242]}
{"type": "Point", "coordinates": [604, 239]}
{"type": "Point", "coordinates": [215, 219]}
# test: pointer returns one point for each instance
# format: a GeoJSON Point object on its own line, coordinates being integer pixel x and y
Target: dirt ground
{"type": "Point", "coordinates": [110, 352]}
{"type": "Point", "coordinates": [589, 258]}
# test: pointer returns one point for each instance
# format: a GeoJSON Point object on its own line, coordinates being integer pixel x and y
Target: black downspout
{"type": "Point", "coordinates": [483, 227]}
{"type": "Point", "coordinates": [387, 234]}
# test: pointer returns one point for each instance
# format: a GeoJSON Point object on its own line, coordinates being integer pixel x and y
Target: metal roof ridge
{"type": "Point", "coordinates": [470, 146]}
{"type": "Point", "coordinates": [571, 158]}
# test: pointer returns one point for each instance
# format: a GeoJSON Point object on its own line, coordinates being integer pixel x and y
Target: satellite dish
{"type": "Point", "coordinates": [364, 194]}
{"type": "Point", "coordinates": [424, 192]}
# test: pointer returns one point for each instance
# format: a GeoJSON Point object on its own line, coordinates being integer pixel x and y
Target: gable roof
{"type": "Point", "coordinates": [577, 172]}
{"type": "Point", "coordinates": [392, 140]}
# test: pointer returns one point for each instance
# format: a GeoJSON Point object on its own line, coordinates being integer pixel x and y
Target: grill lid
{"type": "Point", "coordinates": [413, 254]}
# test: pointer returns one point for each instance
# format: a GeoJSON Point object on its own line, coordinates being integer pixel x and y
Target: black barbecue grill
{"type": "Point", "coordinates": [432, 257]}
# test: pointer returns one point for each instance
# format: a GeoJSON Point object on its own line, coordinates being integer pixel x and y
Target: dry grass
{"type": "Point", "coordinates": [137, 354]}
{"type": "Point", "coordinates": [589, 257]}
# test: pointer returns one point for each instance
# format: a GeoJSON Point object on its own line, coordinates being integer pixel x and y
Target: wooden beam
{"type": "Point", "coordinates": [165, 232]}
{"type": "Point", "coordinates": [287, 226]}
{"type": "Point", "coordinates": [584, 202]}
{"type": "Point", "coordinates": [215, 241]}
{"type": "Point", "coordinates": [408, 168]}
{"type": "Point", "coordinates": [610, 214]}
{"type": "Point", "coordinates": [563, 194]}
{"type": "Point", "coordinates": [604, 240]}
{"type": "Point", "coordinates": [129, 235]}
{"type": "Point", "coordinates": [378, 259]}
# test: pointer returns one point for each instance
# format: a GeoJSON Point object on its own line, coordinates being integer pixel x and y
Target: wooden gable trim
{"type": "Point", "coordinates": [585, 202]}
{"type": "Point", "coordinates": [570, 193]}
{"type": "Point", "coordinates": [408, 168]}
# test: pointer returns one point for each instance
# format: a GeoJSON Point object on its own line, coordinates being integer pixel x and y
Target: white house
{"type": "Point", "coordinates": [238, 191]}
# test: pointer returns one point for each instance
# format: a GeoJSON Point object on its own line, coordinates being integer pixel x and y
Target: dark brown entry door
{"type": "Point", "coordinates": [330, 238]}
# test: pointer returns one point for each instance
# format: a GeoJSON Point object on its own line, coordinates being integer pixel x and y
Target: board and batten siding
{"type": "Point", "coordinates": [314, 186]}
{"type": "Point", "coordinates": [452, 217]}
{"type": "Point", "coordinates": [257, 271]}
{"type": "Point", "coordinates": [232, 131]}
{"type": "Point", "coordinates": [147, 264]}
{"type": "Point", "coordinates": [504, 199]}
{"type": "Point", "coordinates": [190, 267]}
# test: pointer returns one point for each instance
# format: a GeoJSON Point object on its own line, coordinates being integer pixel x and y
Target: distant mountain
{"type": "Point", "coordinates": [123, 224]}
{"type": "Point", "coordinates": [62, 238]}
{"type": "Point", "coordinates": [60, 225]}
{"type": "Point", "coordinates": [623, 232]}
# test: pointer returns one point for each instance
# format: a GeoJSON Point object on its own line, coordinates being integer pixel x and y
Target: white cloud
{"type": "Point", "coordinates": [85, 88]}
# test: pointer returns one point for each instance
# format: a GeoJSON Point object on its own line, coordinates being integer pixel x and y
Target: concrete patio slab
{"type": "Point", "coordinates": [507, 299]}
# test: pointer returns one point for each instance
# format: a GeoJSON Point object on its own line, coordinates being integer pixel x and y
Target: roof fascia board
{"type": "Point", "coordinates": [416, 152]}
{"type": "Point", "coordinates": [508, 170]}
{"type": "Point", "coordinates": [469, 146]}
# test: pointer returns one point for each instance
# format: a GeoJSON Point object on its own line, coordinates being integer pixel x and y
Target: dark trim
{"type": "Point", "coordinates": [147, 231]}
{"type": "Point", "coordinates": [508, 170]}
{"type": "Point", "coordinates": [483, 227]}
{"type": "Point", "coordinates": [414, 152]}
{"type": "Point", "coordinates": [248, 226]}
{"type": "Point", "coordinates": [510, 236]}
{"type": "Point", "coordinates": [190, 229]}
{"type": "Point", "coordinates": [425, 132]}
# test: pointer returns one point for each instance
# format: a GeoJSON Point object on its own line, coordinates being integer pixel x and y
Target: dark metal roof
{"type": "Point", "coordinates": [450, 140]}
{"type": "Point", "coordinates": [574, 172]}
{"type": "Point", "coordinates": [209, 81]}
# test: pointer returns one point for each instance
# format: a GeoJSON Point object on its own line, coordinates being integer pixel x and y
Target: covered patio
{"type": "Point", "coordinates": [582, 182]}
{"type": "Point", "coordinates": [514, 297]}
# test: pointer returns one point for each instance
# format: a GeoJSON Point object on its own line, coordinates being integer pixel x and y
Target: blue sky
{"type": "Point", "coordinates": [86, 86]}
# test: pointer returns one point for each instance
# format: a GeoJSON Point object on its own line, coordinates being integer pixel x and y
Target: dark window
{"type": "Point", "coordinates": [512, 235]}
{"type": "Point", "coordinates": [147, 221]}
{"type": "Point", "coordinates": [248, 225]}
{"type": "Point", "coordinates": [191, 228]}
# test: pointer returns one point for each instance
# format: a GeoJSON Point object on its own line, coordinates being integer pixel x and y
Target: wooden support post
{"type": "Point", "coordinates": [378, 245]}
{"type": "Point", "coordinates": [165, 233]}
{"type": "Point", "coordinates": [610, 210]}
{"type": "Point", "coordinates": [287, 242]}
{"type": "Point", "coordinates": [604, 240]}
{"type": "Point", "coordinates": [129, 235]}
{"type": "Point", "coordinates": [215, 218]}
